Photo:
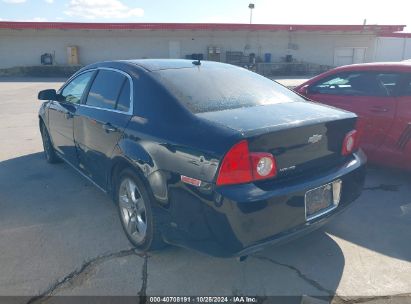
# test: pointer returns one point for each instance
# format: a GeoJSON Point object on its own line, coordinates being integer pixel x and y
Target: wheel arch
{"type": "Point", "coordinates": [42, 115]}
{"type": "Point", "coordinates": [142, 164]}
{"type": "Point", "coordinates": [118, 164]}
{"type": "Point", "coordinates": [42, 121]}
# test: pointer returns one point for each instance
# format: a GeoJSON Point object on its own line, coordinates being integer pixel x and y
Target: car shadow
{"type": "Point", "coordinates": [63, 214]}
{"type": "Point", "coordinates": [380, 219]}
{"type": "Point", "coordinates": [51, 221]}
{"type": "Point", "coordinates": [30, 183]}
{"type": "Point", "coordinates": [312, 266]}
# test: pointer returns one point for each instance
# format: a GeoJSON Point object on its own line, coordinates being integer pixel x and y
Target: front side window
{"type": "Point", "coordinates": [73, 92]}
{"type": "Point", "coordinates": [106, 89]}
{"type": "Point", "coordinates": [355, 84]}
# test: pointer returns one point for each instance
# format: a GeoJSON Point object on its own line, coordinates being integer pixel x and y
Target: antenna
{"type": "Point", "coordinates": [198, 57]}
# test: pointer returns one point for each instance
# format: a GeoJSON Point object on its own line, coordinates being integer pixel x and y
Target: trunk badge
{"type": "Point", "coordinates": [287, 169]}
{"type": "Point", "coordinates": [191, 181]}
{"type": "Point", "coordinates": [315, 138]}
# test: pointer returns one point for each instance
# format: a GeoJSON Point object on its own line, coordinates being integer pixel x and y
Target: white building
{"type": "Point", "coordinates": [393, 47]}
{"type": "Point", "coordinates": [23, 43]}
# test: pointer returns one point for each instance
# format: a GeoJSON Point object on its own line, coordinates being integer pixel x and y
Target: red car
{"type": "Point", "coordinates": [380, 94]}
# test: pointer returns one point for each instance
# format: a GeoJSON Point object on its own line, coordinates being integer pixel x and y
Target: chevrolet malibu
{"type": "Point", "coordinates": [203, 155]}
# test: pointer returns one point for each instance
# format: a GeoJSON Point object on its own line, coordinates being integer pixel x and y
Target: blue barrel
{"type": "Point", "coordinates": [267, 57]}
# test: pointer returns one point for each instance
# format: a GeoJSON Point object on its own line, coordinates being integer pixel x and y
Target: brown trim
{"type": "Point", "coordinates": [382, 29]}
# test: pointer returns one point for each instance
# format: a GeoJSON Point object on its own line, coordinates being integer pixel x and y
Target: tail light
{"type": "Point", "coordinates": [242, 166]}
{"type": "Point", "coordinates": [350, 143]}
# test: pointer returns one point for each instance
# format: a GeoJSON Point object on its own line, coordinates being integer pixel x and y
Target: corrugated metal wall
{"type": "Point", "coordinates": [393, 48]}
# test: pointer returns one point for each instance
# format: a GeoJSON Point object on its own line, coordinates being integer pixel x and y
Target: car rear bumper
{"type": "Point", "coordinates": [240, 219]}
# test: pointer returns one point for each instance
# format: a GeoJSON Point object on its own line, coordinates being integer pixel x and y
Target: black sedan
{"type": "Point", "coordinates": [202, 154]}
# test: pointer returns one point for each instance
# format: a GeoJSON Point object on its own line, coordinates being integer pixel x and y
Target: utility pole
{"type": "Point", "coordinates": [251, 7]}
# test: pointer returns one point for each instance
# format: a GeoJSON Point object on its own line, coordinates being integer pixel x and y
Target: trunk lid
{"type": "Point", "coordinates": [304, 137]}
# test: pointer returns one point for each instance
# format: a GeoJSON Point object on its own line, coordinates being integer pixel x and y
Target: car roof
{"type": "Point", "coordinates": [166, 64]}
{"type": "Point", "coordinates": [394, 66]}
{"type": "Point", "coordinates": [152, 65]}
{"type": "Point", "coordinates": [403, 66]}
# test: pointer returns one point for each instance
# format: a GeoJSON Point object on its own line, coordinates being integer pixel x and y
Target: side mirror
{"type": "Point", "coordinates": [303, 90]}
{"type": "Point", "coordinates": [50, 94]}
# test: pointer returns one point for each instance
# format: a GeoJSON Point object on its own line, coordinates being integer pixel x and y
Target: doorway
{"type": "Point", "coordinates": [349, 55]}
{"type": "Point", "coordinates": [174, 49]}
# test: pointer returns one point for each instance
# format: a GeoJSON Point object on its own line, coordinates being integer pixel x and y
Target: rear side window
{"type": "Point", "coordinates": [105, 89]}
{"type": "Point", "coordinates": [356, 84]}
{"type": "Point", "coordinates": [216, 88]}
{"type": "Point", "coordinates": [389, 81]}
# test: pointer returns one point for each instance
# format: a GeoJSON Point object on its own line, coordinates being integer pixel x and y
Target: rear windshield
{"type": "Point", "coordinates": [222, 87]}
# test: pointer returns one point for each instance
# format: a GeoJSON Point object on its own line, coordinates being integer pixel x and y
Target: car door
{"type": "Point", "coordinates": [61, 114]}
{"type": "Point", "coordinates": [396, 149]}
{"type": "Point", "coordinates": [368, 94]}
{"type": "Point", "coordinates": [101, 120]}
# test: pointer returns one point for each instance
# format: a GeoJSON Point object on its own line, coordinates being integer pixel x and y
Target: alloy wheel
{"type": "Point", "coordinates": [132, 210]}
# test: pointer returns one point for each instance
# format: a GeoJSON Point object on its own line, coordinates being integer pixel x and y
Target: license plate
{"type": "Point", "coordinates": [322, 200]}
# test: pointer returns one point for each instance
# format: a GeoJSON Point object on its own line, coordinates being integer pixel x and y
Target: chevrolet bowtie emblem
{"type": "Point", "coordinates": [315, 138]}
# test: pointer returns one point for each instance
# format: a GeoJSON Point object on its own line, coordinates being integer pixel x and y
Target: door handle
{"type": "Point", "coordinates": [379, 109]}
{"type": "Point", "coordinates": [109, 128]}
{"type": "Point", "coordinates": [68, 115]}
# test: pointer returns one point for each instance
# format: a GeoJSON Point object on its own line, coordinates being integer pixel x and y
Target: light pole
{"type": "Point", "coordinates": [251, 7]}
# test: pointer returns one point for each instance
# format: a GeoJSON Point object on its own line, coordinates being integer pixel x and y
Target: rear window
{"type": "Point", "coordinates": [209, 89]}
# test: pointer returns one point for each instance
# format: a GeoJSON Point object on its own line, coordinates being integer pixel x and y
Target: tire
{"type": "Point", "coordinates": [49, 152]}
{"type": "Point", "coordinates": [138, 215]}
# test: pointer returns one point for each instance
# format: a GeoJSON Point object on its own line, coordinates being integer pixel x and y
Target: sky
{"type": "Point", "coordinates": [396, 12]}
